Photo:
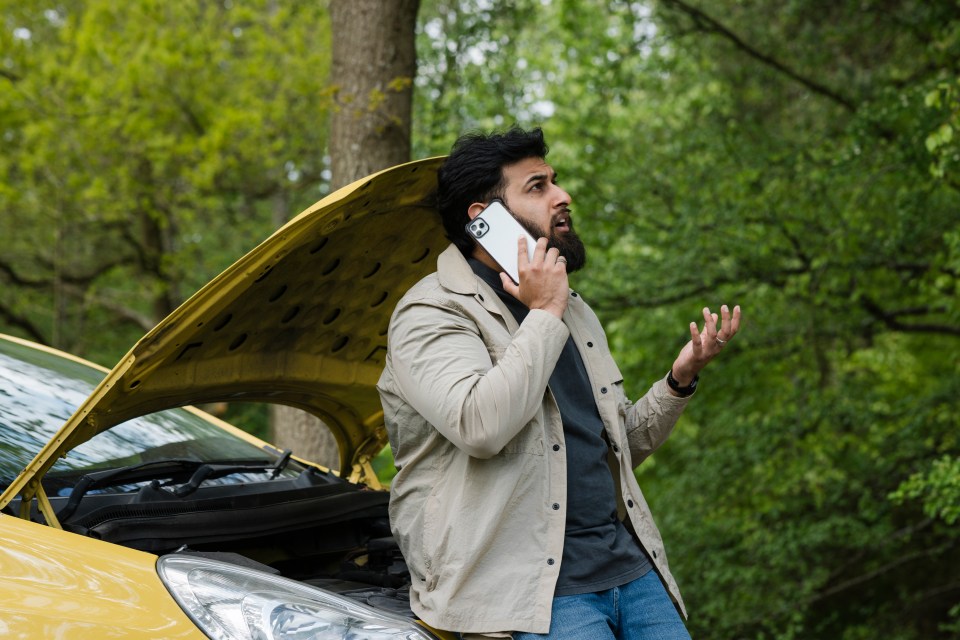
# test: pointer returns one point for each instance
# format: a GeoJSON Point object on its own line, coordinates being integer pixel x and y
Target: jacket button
{"type": "Point", "coordinates": [616, 449]}
{"type": "Point", "coordinates": [589, 344]}
{"type": "Point", "coordinates": [556, 447]}
{"type": "Point", "coordinates": [480, 295]}
{"type": "Point", "coordinates": [574, 294]}
{"type": "Point", "coordinates": [654, 553]}
{"type": "Point", "coordinates": [550, 561]}
{"type": "Point", "coordinates": [603, 389]}
{"type": "Point", "coordinates": [630, 503]}
{"type": "Point", "coordinates": [556, 506]}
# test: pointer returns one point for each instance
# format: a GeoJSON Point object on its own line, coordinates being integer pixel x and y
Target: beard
{"type": "Point", "coordinates": [567, 243]}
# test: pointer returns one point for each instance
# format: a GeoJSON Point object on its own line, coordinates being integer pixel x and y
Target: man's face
{"type": "Point", "coordinates": [535, 199]}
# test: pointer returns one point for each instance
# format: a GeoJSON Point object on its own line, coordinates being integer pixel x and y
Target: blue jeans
{"type": "Point", "coordinates": [638, 610]}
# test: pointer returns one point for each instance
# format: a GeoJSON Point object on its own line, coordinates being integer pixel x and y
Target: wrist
{"type": "Point", "coordinates": [682, 387]}
{"type": "Point", "coordinates": [554, 309]}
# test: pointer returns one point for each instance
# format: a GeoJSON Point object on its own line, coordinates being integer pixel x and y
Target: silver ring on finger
{"type": "Point", "coordinates": [721, 342]}
{"type": "Point", "coordinates": [561, 259]}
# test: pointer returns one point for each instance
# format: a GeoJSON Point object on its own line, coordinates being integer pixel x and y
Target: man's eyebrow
{"type": "Point", "coordinates": [537, 177]}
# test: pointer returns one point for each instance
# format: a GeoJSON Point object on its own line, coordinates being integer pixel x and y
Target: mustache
{"type": "Point", "coordinates": [568, 243]}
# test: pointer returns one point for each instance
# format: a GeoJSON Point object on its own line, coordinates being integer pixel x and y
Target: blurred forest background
{"type": "Point", "coordinates": [800, 158]}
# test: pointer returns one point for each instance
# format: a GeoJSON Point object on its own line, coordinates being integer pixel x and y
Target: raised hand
{"type": "Point", "coordinates": [705, 343]}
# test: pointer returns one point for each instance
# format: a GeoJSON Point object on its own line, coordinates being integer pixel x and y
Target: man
{"type": "Point", "coordinates": [515, 503]}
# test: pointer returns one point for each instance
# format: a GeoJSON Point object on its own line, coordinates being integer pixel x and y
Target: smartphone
{"type": "Point", "coordinates": [497, 231]}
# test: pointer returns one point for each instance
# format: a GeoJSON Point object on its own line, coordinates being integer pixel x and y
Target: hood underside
{"type": "Point", "coordinates": [300, 320]}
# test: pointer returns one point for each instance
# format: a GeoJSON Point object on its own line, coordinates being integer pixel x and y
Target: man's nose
{"type": "Point", "coordinates": [561, 197]}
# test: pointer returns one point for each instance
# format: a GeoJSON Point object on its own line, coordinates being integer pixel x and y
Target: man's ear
{"type": "Point", "coordinates": [476, 209]}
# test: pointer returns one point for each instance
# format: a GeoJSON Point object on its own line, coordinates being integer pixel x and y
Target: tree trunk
{"type": "Point", "coordinates": [374, 63]}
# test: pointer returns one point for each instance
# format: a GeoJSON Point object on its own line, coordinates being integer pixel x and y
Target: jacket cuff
{"type": "Point", "coordinates": [549, 321]}
{"type": "Point", "coordinates": [662, 393]}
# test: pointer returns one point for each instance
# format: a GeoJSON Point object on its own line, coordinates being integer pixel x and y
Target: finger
{"type": "Point", "coordinates": [523, 256]}
{"type": "Point", "coordinates": [541, 251]}
{"type": "Point", "coordinates": [553, 254]}
{"type": "Point", "coordinates": [728, 326]}
{"type": "Point", "coordinates": [735, 321]}
{"type": "Point", "coordinates": [723, 330]}
{"type": "Point", "coordinates": [709, 324]}
{"type": "Point", "coordinates": [695, 338]}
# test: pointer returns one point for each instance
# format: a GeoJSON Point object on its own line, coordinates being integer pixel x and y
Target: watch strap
{"type": "Point", "coordinates": [686, 391]}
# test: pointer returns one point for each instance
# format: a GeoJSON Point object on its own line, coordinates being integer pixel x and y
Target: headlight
{"type": "Point", "coordinates": [229, 602]}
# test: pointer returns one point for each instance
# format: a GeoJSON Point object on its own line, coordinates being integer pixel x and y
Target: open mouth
{"type": "Point", "coordinates": [562, 222]}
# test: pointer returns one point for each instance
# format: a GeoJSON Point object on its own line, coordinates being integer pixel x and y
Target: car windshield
{"type": "Point", "coordinates": [39, 391]}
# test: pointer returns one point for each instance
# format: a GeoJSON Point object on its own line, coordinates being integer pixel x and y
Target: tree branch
{"type": "Point", "coordinates": [856, 581]}
{"type": "Point", "coordinates": [188, 113]}
{"type": "Point", "coordinates": [18, 280]}
{"type": "Point", "coordinates": [890, 566]}
{"type": "Point", "coordinates": [23, 323]}
{"type": "Point", "coordinates": [142, 321]}
{"type": "Point", "coordinates": [892, 319]}
{"type": "Point", "coordinates": [687, 290]}
{"type": "Point", "coordinates": [711, 24]}
{"type": "Point", "coordinates": [83, 279]}
{"type": "Point", "coordinates": [905, 532]}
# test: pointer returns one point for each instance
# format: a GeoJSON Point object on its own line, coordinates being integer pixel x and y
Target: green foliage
{"type": "Point", "coordinates": [383, 466]}
{"type": "Point", "coordinates": [944, 101]}
{"type": "Point", "coordinates": [147, 145]}
{"type": "Point", "coordinates": [470, 56]}
{"type": "Point", "coordinates": [798, 159]}
{"type": "Point", "coordinates": [938, 489]}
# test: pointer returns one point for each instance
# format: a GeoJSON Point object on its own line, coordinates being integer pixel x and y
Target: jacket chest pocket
{"type": "Point", "coordinates": [613, 402]}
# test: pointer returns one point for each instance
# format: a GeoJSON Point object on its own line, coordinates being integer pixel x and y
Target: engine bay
{"type": "Point", "coordinates": [313, 527]}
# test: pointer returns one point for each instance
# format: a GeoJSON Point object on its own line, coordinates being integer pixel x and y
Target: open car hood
{"type": "Point", "coordinates": [300, 320]}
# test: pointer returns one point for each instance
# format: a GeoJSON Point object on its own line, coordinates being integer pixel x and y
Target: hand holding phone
{"type": "Point", "coordinates": [497, 231]}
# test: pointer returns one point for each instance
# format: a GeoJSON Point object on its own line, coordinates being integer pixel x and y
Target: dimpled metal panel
{"type": "Point", "coordinates": [300, 320]}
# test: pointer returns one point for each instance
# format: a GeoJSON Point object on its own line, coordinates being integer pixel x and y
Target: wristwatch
{"type": "Point", "coordinates": [683, 391]}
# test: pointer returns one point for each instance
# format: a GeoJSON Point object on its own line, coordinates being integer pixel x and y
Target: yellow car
{"type": "Point", "coordinates": [128, 514]}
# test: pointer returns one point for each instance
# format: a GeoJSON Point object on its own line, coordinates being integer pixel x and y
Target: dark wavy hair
{"type": "Point", "coordinates": [473, 172]}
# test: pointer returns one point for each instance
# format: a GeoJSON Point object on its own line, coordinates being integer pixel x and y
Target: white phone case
{"type": "Point", "coordinates": [496, 230]}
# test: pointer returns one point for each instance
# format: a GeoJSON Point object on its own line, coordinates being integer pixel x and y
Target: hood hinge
{"type": "Point", "coordinates": [363, 473]}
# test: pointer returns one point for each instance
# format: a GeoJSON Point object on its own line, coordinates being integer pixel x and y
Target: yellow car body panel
{"type": "Point", "coordinates": [299, 320]}
{"type": "Point", "coordinates": [55, 584]}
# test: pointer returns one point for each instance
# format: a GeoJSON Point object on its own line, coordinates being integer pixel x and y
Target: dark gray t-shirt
{"type": "Point", "coordinates": [598, 551]}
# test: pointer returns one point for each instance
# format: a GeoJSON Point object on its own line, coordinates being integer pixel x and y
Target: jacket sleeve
{"type": "Point", "coordinates": [478, 398]}
{"type": "Point", "coordinates": [650, 421]}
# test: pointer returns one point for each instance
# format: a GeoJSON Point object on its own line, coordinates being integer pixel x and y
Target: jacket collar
{"type": "Point", "coordinates": [455, 275]}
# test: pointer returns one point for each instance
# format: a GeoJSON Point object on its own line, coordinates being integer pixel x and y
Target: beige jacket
{"type": "Point", "coordinates": [478, 443]}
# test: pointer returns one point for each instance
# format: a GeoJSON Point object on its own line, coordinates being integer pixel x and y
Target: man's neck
{"type": "Point", "coordinates": [480, 254]}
